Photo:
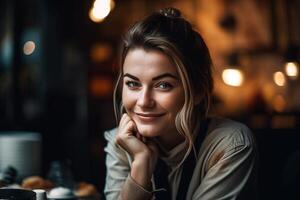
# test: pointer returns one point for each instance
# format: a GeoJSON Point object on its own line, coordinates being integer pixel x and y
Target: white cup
{"type": "Point", "coordinates": [40, 194]}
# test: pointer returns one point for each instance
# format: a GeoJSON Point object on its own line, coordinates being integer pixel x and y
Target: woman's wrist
{"type": "Point", "coordinates": [141, 171]}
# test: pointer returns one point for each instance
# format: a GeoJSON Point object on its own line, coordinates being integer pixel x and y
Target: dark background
{"type": "Point", "coordinates": [64, 88]}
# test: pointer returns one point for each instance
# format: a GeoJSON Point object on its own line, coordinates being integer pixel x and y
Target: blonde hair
{"type": "Point", "coordinates": [175, 37]}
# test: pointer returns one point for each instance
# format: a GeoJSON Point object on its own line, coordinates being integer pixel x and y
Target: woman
{"type": "Point", "coordinates": [165, 145]}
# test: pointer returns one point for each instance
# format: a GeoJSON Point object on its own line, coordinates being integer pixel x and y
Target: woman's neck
{"type": "Point", "coordinates": [169, 143]}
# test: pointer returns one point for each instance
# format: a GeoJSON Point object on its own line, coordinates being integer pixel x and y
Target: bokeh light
{"type": "Point", "coordinates": [233, 77]}
{"type": "Point", "coordinates": [100, 10]}
{"type": "Point", "coordinates": [28, 48]}
{"type": "Point", "coordinates": [279, 78]}
{"type": "Point", "coordinates": [291, 69]}
{"type": "Point", "coordinates": [279, 103]}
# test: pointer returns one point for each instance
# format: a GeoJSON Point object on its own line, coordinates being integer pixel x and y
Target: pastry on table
{"type": "Point", "coordinates": [84, 189]}
{"type": "Point", "coordinates": [36, 182]}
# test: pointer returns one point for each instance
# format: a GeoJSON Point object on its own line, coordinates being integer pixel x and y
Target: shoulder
{"type": "Point", "coordinates": [227, 139]}
{"type": "Point", "coordinates": [231, 132]}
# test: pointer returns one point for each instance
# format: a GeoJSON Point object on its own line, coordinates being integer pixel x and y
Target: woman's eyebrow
{"type": "Point", "coordinates": [155, 78]}
{"type": "Point", "coordinates": [131, 76]}
{"type": "Point", "coordinates": [165, 75]}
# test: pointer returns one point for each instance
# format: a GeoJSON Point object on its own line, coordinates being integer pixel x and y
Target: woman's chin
{"type": "Point", "coordinates": [147, 132]}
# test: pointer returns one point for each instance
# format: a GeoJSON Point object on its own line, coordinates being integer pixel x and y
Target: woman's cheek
{"type": "Point", "coordinates": [128, 101]}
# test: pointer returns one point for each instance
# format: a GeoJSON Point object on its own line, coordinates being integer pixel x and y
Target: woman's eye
{"type": "Point", "coordinates": [164, 86]}
{"type": "Point", "coordinates": [132, 84]}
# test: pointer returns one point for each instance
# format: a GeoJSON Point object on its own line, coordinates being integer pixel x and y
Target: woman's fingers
{"type": "Point", "coordinates": [124, 120]}
{"type": "Point", "coordinates": [125, 131]}
{"type": "Point", "coordinates": [138, 146]}
{"type": "Point", "coordinates": [127, 126]}
{"type": "Point", "coordinates": [127, 136]}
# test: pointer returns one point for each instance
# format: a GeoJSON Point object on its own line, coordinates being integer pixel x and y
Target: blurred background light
{"type": "Point", "coordinates": [101, 9]}
{"type": "Point", "coordinates": [279, 78]}
{"type": "Point", "coordinates": [101, 52]}
{"type": "Point", "coordinates": [101, 86]}
{"type": "Point", "coordinates": [291, 69]}
{"type": "Point", "coordinates": [31, 45]}
{"type": "Point", "coordinates": [6, 51]}
{"type": "Point", "coordinates": [233, 77]}
{"type": "Point", "coordinates": [279, 103]}
{"type": "Point", "coordinates": [28, 48]}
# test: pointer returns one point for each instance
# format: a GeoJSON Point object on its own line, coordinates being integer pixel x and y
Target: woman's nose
{"type": "Point", "coordinates": [145, 99]}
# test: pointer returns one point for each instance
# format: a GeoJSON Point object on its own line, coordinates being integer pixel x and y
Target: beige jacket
{"type": "Point", "coordinates": [225, 168]}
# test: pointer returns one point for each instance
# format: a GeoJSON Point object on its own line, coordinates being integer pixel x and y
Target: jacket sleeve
{"type": "Point", "coordinates": [118, 173]}
{"type": "Point", "coordinates": [231, 171]}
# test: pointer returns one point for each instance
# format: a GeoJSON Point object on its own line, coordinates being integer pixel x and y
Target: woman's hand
{"type": "Point", "coordinates": [143, 151]}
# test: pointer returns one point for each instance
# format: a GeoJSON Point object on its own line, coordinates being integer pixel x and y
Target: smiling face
{"type": "Point", "coordinates": [152, 92]}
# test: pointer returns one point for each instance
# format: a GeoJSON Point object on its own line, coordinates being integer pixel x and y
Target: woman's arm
{"type": "Point", "coordinates": [117, 167]}
{"type": "Point", "coordinates": [232, 175]}
{"type": "Point", "coordinates": [135, 181]}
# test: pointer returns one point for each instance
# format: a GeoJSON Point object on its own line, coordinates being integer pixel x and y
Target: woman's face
{"type": "Point", "coordinates": [152, 92]}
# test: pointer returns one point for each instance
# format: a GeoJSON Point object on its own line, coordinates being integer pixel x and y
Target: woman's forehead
{"type": "Point", "coordinates": [140, 60]}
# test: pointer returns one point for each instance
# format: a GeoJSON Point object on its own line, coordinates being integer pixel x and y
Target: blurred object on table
{"type": "Point", "coordinates": [36, 182]}
{"type": "Point", "coordinates": [84, 189]}
{"type": "Point", "coordinates": [8, 176]}
{"type": "Point", "coordinates": [17, 194]}
{"type": "Point", "coordinates": [21, 150]}
{"type": "Point", "coordinates": [61, 193]}
{"type": "Point", "coordinates": [40, 194]}
{"type": "Point", "coordinates": [60, 174]}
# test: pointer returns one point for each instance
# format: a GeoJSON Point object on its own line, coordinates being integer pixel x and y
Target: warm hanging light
{"type": "Point", "coordinates": [279, 103]}
{"type": "Point", "coordinates": [28, 48]}
{"type": "Point", "coordinates": [233, 77]}
{"type": "Point", "coordinates": [291, 66]}
{"type": "Point", "coordinates": [101, 9]}
{"type": "Point", "coordinates": [279, 78]}
{"type": "Point", "coordinates": [292, 69]}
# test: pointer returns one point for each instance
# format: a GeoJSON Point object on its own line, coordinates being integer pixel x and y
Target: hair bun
{"type": "Point", "coordinates": [170, 12]}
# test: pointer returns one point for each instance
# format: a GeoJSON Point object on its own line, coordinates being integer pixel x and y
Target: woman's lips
{"type": "Point", "coordinates": [149, 117]}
